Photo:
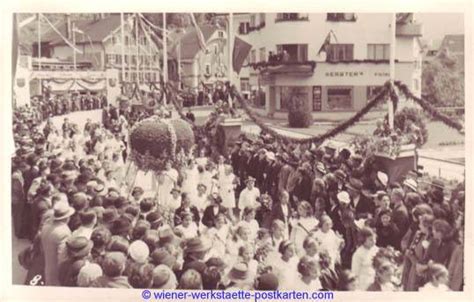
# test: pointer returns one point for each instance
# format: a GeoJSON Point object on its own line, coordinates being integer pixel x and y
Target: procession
{"type": "Point", "coordinates": [146, 191]}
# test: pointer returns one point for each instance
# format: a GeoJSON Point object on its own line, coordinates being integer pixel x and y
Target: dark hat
{"type": "Point", "coordinates": [154, 217]}
{"type": "Point", "coordinates": [239, 272]}
{"type": "Point", "coordinates": [175, 190]}
{"type": "Point", "coordinates": [267, 281]}
{"type": "Point", "coordinates": [197, 245]}
{"type": "Point", "coordinates": [140, 229]}
{"type": "Point", "coordinates": [438, 184]}
{"type": "Point", "coordinates": [196, 265]}
{"type": "Point", "coordinates": [120, 202]}
{"type": "Point", "coordinates": [100, 236]}
{"type": "Point", "coordinates": [118, 244]}
{"type": "Point", "coordinates": [69, 166]}
{"type": "Point", "coordinates": [110, 215]}
{"type": "Point", "coordinates": [113, 263]}
{"type": "Point", "coordinates": [151, 238]}
{"type": "Point", "coordinates": [78, 247]}
{"type": "Point", "coordinates": [79, 201]}
{"type": "Point", "coordinates": [137, 190]}
{"type": "Point", "coordinates": [56, 164]}
{"type": "Point", "coordinates": [215, 262]}
{"type": "Point", "coordinates": [355, 184]}
{"type": "Point", "coordinates": [166, 235]}
{"type": "Point", "coordinates": [283, 245]}
{"type": "Point", "coordinates": [121, 225]}
{"type": "Point", "coordinates": [164, 278]}
{"type": "Point", "coordinates": [162, 256]}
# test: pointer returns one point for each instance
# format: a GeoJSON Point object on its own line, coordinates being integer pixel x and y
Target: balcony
{"type": "Point", "coordinates": [291, 17]}
{"type": "Point", "coordinates": [255, 28]}
{"type": "Point", "coordinates": [341, 17]}
{"type": "Point", "coordinates": [409, 29]}
{"type": "Point", "coordinates": [281, 64]}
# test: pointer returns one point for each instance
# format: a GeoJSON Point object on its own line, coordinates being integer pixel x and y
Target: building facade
{"type": "Point", "coordinates": [334, 61]}
{"type": "Point", "coordinates": [100, 42]}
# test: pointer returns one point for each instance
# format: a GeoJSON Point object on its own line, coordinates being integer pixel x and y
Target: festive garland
{"type": "Point", "coordinates": [279, 63]}
{"type": "Point", "coordinates": [172, 137]}
{"type": "Point", "coordinates": [319, 138]}
{"type": "Point", "coordinates": [430, 108]}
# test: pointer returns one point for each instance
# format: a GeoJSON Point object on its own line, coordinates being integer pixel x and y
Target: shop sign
{"type": "Point", "coordinates": [352, 74]}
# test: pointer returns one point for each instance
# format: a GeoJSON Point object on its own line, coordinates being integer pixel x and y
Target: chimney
{"type": "Point", "coordinates": [67, 19]}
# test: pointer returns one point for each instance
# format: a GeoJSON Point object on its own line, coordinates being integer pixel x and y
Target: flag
{"type": "Point", "coordinates": [240, 52]}
{"type": "Point", "coordinates": [201, 40]}
{"type": "Point", "coordinates": [77, 30]}
{"type": "Point", "coordinates": [326, 43]}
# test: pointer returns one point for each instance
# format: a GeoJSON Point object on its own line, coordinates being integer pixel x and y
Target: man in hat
{"type": "Point", "coordinates": [286, 170]}
{"type": "Point", "coordinates": [53, 240]}
{"type": "Point", "coordinates": [77, 248]}
{"type": "Point", "coordinates": [400, 213]}
{"type": "Point", "coordinates": [362, 205]}
{"type": "Point", "coordinates": [249, 196]}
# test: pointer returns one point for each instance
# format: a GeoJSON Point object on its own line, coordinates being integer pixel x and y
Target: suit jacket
{"type": "Point", "coordinates": [116, 282]}
{"type": "Point", "coordinates": [401, 219]}
{"type": "Point", "coordinates": [283, 176]}
{"type": "Point", "coordinates": [177, 214]}
{"type": "Point", "coordinates": [277, 213]}
{"type": "Point", "coordinates": [363, 207]}
{"type": "Point", "coordinates": [53, 240]}
{"type": "Point", "coordinates": [208, 216]}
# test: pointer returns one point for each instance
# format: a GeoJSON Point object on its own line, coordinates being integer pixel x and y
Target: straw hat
{"type": "Point", "coordinates": [62, 210]}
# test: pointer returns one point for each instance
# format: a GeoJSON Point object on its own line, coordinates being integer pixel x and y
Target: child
{"type": "Point", "coordinates": [438, 276]}
{"type": "Point", "coordinates": [188, 228]}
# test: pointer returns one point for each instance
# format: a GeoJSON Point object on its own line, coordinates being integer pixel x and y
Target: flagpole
{"type": "Point", "coordinates": [179, 63]}
{"type": "Point", "coordinates": [138, 48]}
{"type": "Point", "coordinates": [122, 33]}
{"type": "Point", "coordinates": [74, 43]}
{"type": "Point", "coordinates": [391, 108]}
{"type": "Point", "coordinates": [39, 42]}
{"type": "Point", "coordinates": [165, 55]}
{"type": "Point", "coordinates": [230, 37]}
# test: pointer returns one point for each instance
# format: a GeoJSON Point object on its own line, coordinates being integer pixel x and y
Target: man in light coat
{"type": "Point", "coordinates": [54, 235]}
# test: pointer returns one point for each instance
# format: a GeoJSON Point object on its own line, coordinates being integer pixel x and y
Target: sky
{"type": "Point", "coordinates": [437, 25]}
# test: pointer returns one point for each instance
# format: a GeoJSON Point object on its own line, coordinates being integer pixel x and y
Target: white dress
{"type": "Point", "coordinates": [226, 190]}
{"type": "Point", "coordinates": [331, 243]}
{"type": "Point", "coordinates": [362, 266]}
{"type": "Point", "coordinates": [252, 226]}
{"type": "Point", "coordinates": [301, 228]}
{"type": "Point", "coordinates": [190, 181]}
{"type": "Point", "coordinates": [248, 198]}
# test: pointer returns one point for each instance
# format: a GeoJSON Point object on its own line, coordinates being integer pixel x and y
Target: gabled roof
{"type": "Point", "coordinates": [190, 42]}
{"type": "Point", "coordinates": [97, 30]}
{"type": "Point", "coordinates": [453, 43]}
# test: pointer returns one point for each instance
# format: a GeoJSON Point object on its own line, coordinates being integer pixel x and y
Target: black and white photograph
{"type": "Point", "coordinates": [245, 150]}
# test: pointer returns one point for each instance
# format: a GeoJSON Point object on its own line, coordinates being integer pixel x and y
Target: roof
{"type": "Point", "coordinates": [454, 43]}
{"type": "Point", "coordinates": [97, 30]}
{"type": "Point", "coordinates": [190, 43]}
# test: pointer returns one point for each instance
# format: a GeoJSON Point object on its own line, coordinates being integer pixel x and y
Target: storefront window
{"type": "Point", "coordinates": [372, 91]}
{"type": "Point", "coordinates": [340, 98]}
{"type": "Point", "coordinates": [290, 94]}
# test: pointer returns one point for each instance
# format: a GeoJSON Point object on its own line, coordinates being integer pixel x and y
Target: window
{"type": "Point", "coordinates": [263, 55]}
{"type": "Point", "coordinates": [244, 28]}
{"type": "Point", "coordinates": [340, 52]}
{"type": "Point", "coordinates": [216, 49]}
{"type": "Point", "coordinates": [110, 59]}
{"type": "Point", "coordinates": [253, 56]}
{"type": "Point", "coordinates": [262, 19]}
{"type": "Point", "coordinates": [114, 40]}
{"type": "Point", "coordinates": [253, 22]}
{"type": "Point", "coordinates": [317, 97]}
{"type": "Point", "coordinates": [127, 40]}
{"type": "Point", "coordinates": [339, 98]}
{"type": "Point", "coordinates": [291, 95]}
{"type": "Point", "coordinates": [244, 84]}
{"type": "Point", "coordinates": [294, 52]}
{"type": "Point", "coordinates": [378, 51]}
{"type": "Point", "coordinates": [220, 34]}
{"type": "Point", "coordinates": [341, 17]}
{"type": "Point", "coordinates": [372, 91]}
{"type": "Point", "coordinates": [208, 69]}
{"type": "Point", "coordinates": [118, 59]}
{"type": "Point", "coordinates": [126, 59]}
{"type": "Point", "coordinates": [291, 17]}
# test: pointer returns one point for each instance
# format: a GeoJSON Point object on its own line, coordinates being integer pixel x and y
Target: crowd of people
{"type": "Point", "coordinates": [267, 216]}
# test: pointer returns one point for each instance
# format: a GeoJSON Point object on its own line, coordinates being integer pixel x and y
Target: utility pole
{"type": "Point", "coordinates": [74, 44]}
{"type": "Point", "coordinates": [165, 55]}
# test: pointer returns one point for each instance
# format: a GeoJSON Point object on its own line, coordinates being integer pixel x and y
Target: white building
{"type": "Point", "coordinates": [334, 61]}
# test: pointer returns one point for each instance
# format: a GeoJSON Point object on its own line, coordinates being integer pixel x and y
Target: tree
{"type": "Point", "coordinates": [443, 81]}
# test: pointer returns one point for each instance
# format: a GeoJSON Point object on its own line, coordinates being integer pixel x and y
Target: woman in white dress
{"type": "Point", "coordinates": [362, 266]}
{"type": "Point", "coordinates": [284, 265]}
{"type": "Point", "coordinates": [227, 183]}
{"type": "Point", "coordinates": [190, 179]}
{"type": "Point", "coordinates": [303, 226]}
{"type": "Point", "coordinates": [329, 240]}
{"type": "Point", "coordinates": [248, 220]}
{"type": "Point", "coordinates": [218, 235]}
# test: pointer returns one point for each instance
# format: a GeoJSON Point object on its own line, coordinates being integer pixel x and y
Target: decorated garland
{"type": "Point", "coordinates": [318, 138]}
{"type": "Point", "coordinates": [430, 108]}
{"type": "Point", "coordinates": [154, 141]}
{"type": "Point", "coordinates": [278, 63]}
